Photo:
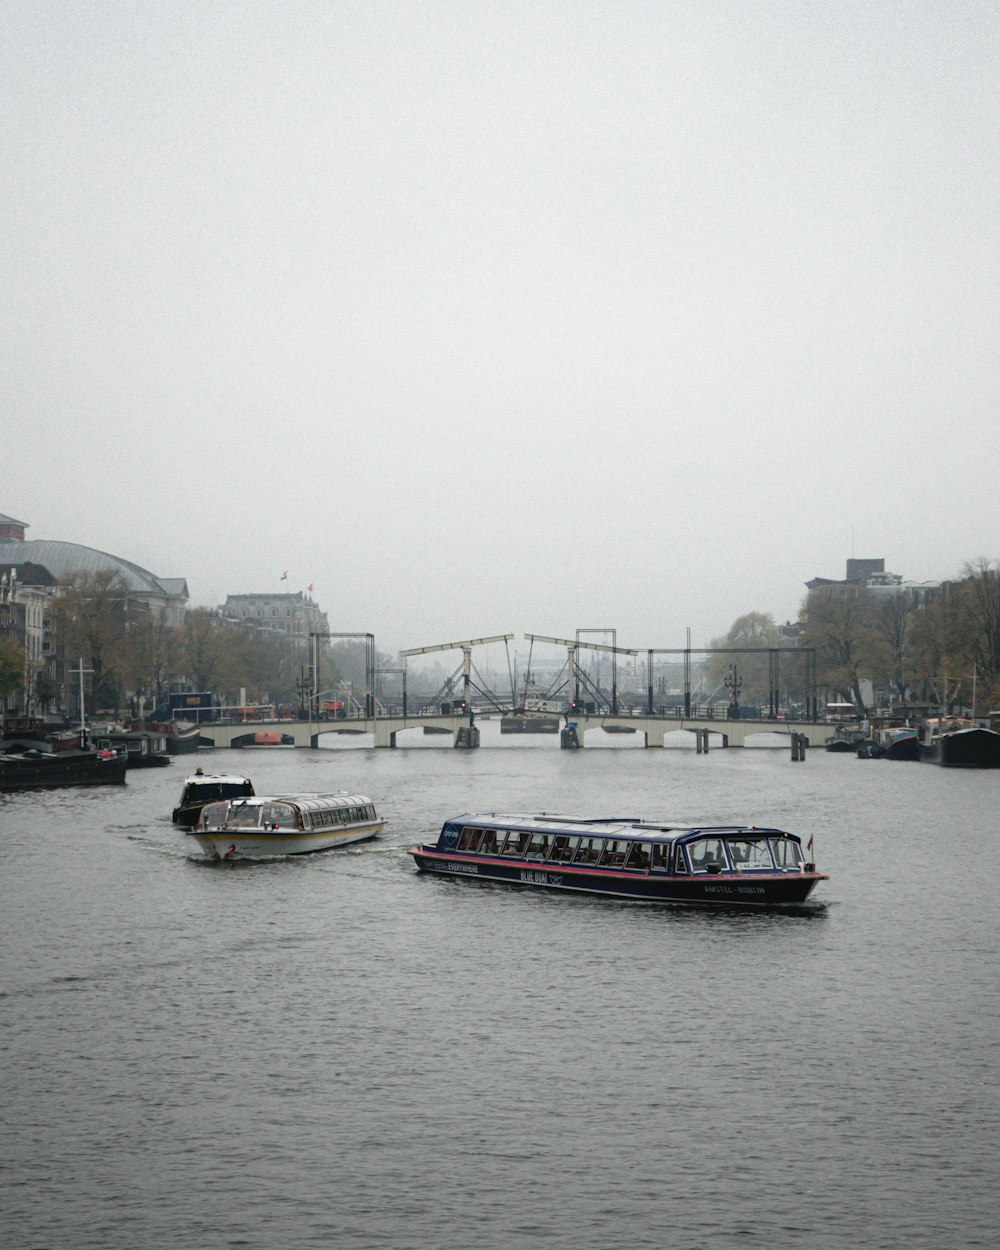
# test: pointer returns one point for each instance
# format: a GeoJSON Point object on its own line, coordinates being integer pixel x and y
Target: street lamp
{"type": "Point", "coordinates": [734, 684]}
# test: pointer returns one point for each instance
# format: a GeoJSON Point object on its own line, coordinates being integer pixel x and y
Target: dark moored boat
{"type": "Point", "coordinates": [144, 748]}
{"type": "Point", "coordinates": [958, 742]}
{"type": "Point", "coordinates": [27, 764]}
{"type": "Point", "coordinates": [182, 737]}
{"type": "Point", "coordinates": [897, 742]}
{"type": "Point", "coordinates": [201, 788]}
{"type": "Point", "coordinates": [727, 865]}
{"type": "Point", "coordinates": [844, 739]}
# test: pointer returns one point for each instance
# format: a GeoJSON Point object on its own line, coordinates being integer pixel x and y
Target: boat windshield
{"type": "Point", "coordinates": [269, 815]}
{"type": "Point", "coordinates": [707, 854]}
{"type": "Point", "coordinates": [746, 853]}
{"type": "Point", "coordinates": [751, 852]}
{"type": "Point", "coordinates": [278, 816]}
{"type": "Point", "coordinates": [787, 852]}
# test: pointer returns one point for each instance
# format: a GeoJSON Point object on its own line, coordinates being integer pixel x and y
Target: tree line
{"type": "Point", "coordinates": [132, 653]}
{"type": "Point", "coordinates": [942, 651]}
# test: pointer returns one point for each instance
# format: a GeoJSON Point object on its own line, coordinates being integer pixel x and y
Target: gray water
{"type": "Point", "coordinates": [338, 1051]}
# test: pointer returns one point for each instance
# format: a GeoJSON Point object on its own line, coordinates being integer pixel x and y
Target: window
{"type": "Point", "coordinates": [278, 815]}
{"type": "Point", "coordinates": [707, 855]}
{"type": "Point", "coordinates": [214, 813]}
{"type": "Point", "coordinates": [469, 839]}
{"type": "Point", "coordinates": [563, 849]}
{"type": "Point", "coordinates": [638, 855]}
{"type": "Point", "coordinates": [538, 847]}
{"type": "Point", "coordinates": [750, 853]}
{"type": "Point", "coordinates": [589, 851]}
{"type": "Point", "coordinates": [516, 844]}
{"type": "Point", "coordinates": [614, 853]}
{"type": "Point", "coordinates": [787, 852]}
{"type": "Point", "coordinates": [488, 846]}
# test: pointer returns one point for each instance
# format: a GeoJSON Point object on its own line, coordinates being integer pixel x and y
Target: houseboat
{"type": "Point", "coordinates": [727, 864]}
{"type": "Point", "coordinates": [34, 756]}
{"type": "Point", "coordinates": [144, 748]}
{"type": "Point", "coordinates": [201, 788]}
{"type": "Point", "coordinates": [272, 826]}
{"type": "Point", "coordinates": [958, 742]}
{"type": "Point", "coordinates": [891, 742]}
{"type": "Point", "coordinates": [38, 766]}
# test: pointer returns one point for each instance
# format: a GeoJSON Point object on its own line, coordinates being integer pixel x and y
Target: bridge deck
{"type": "Point", "coordinates": [734, 733]}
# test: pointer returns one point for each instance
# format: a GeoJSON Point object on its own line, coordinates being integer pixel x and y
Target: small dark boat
{"type": "Point", "coordinates": [33, 765]}
{"type": "Point", "coordinates": [844, 740]}
{"type": "Point", "coordinates": [201, 788]}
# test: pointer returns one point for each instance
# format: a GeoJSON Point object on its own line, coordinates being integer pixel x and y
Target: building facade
{"type": "Point", "coordinates": [288, 617]}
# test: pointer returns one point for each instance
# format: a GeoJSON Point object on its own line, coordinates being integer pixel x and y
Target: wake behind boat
{"type": "Point", "coordinates": [729, 864]}
{"type": "Point", "coordinates": [273, 826]}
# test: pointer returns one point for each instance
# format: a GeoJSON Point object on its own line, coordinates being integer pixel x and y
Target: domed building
{"type": "Point", "coordinates": [30, 572]}
{"type": "Point", "coordinates": [166, 594]}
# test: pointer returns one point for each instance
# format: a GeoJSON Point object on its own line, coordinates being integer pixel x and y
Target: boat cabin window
{"type": "Point", "coordinates": [589, 850]}
{"type": "Point", "coordinates": [488, 845]}
{"type": "Point", "coordinates": [661, 856]}
{"type": "Point", "coordinates": [538, 847]}
{"type": "Point", "coordinates": [639, 855]}
{"type": "Point", "coordinates": [469, 839]}
{"type": "Point", "coordinates": [214, 813]}
{"type": "Point", "coordinates": [750, 853]}
{"type": "Point", "coordinates": [278, 816]}
{"type": "Point", "coordinates": [614, 853]}
{"type": "Point", "coordinates": [563, 849]}
{"type": "Point", "coordinates": [706, 854]}
{"type": "Point", "coordinates": [243, 815]}
{"type": "Point", "coordinates": [787, 852]}
{"type": "Point", "coordinates": [516, 844]}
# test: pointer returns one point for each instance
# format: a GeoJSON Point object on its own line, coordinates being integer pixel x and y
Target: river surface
{"type": "Point", "coordinates": [337, 1051]}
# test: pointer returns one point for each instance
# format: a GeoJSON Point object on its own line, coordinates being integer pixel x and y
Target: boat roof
{"type": "Point", "coordinates": [216, 779]}
{"type": "Point", "coordinates": [307, 802]}
{"type": "Point", "coordinates": [633, 827]}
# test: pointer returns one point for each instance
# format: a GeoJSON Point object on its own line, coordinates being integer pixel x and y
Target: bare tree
{"type": "Point", "coordinates": [838, 623]}
{"type": "Point", "coordinates": [91, 614]}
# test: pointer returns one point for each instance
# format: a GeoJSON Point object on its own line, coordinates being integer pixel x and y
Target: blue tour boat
{"type": "Point", "coordinates": [726, 864]}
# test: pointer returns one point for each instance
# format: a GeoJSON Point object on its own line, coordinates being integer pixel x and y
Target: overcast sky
{"type": "Point", "coordinates": [490, 317]}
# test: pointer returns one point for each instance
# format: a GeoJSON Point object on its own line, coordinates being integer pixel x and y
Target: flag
{"type": "Point", "coordinates": [310, 587]}
{"type": "Point", "coordinates": [809, 844]}
{"type": "Point", "coordinates": [284, 576]}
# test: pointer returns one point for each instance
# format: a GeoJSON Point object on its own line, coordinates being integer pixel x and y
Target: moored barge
{"type": "Point", "coordinates": [722, 865]}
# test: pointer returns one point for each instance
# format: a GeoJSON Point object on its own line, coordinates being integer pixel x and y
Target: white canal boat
{"type": "Point", "coordinates": [272, 826]}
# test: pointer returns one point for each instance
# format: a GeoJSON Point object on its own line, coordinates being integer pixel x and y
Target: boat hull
{"type": "Point", "coordinates": [963, 748]}
{"type": "Point", "coordinates": [722, 889]}
{"type": "Point", "coordinates": [61, 768]}
{"type": "Point", "coordinates": [232, 844]}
